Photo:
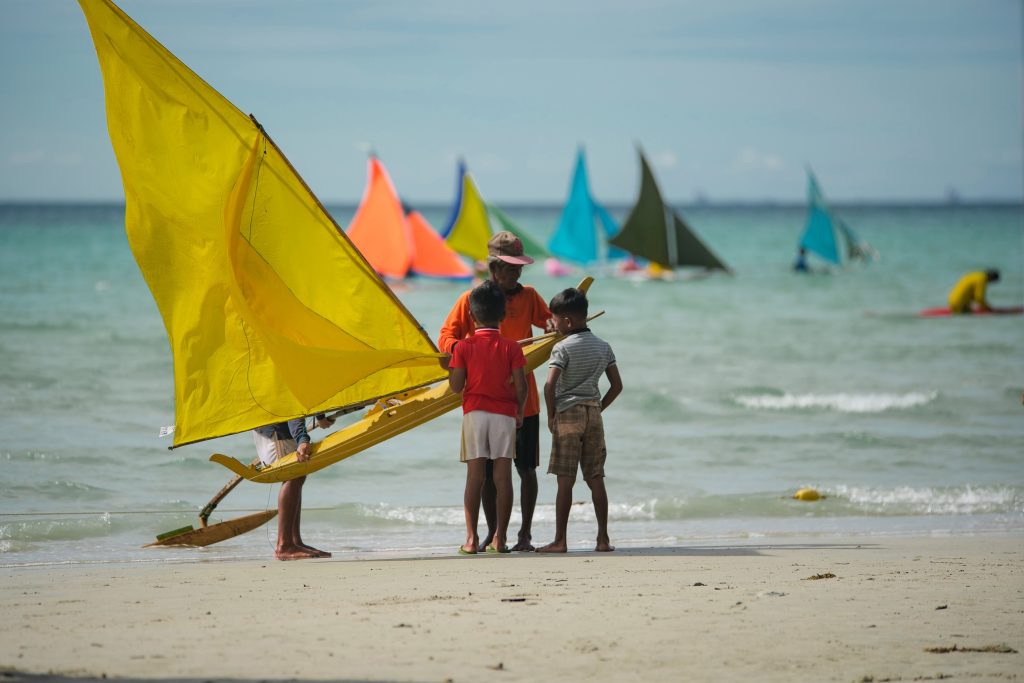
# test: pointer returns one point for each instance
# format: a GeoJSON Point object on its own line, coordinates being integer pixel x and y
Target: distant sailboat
{"type": "Point", "coordinates": [469, 227]}
{"type": "Point", "coordinates": [828, 236]}
{"type": "Point", "coordinates": [656, 232]}
{"type": "Point", "coordinates": [584, 228]}
{"type": "Point", "coordinates": [398, 241]}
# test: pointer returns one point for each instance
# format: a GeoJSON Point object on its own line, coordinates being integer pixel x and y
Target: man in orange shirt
{"type": "Point", "coordinates": [524, 310]}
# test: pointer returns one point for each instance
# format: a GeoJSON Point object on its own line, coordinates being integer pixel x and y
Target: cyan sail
{"type": "Point", "coordinates": [820, 232]}
{"type": "Point", "coordinates": [585, 226]}
{"type": "Point", "coordinates": [656, 232]}
{"type": "Point", "coordinates": [825, 234]}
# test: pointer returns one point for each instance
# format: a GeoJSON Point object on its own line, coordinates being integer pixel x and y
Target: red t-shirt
{"type": "Point", "coordinates": [489, 360]}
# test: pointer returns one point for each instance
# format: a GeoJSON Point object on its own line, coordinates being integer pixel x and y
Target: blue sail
{"type": "Point", "coordinates": [458, 199]}
{"type": "Point", "coordinates": [576, 238]}
{"type": "Point", "coordinates": [820, 233]}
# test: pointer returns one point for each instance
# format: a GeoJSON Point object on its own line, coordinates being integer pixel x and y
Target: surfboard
{"type": "Point", "coordinates": [386, 419]}
{"type": "Point", "coordinates": [215, 533]}
{"type": "Point", "coordinates": [942, 312]}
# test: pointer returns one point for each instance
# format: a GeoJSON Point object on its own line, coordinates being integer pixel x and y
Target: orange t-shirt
{"type": "Point", "coordinates": [524, 310]}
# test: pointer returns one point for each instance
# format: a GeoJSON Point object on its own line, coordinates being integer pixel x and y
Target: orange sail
{"type": "Point", "coordinates": [431, 256]}
{"type": "Point", "coordinates": [379, 229]}
{"type": "Point", "coordinates": [395, 243]}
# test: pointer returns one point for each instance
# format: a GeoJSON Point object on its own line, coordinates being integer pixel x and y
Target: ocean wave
{"type": "Point", "coordinates": [843, 403]}
{"type": "Point", "coordinates": [956, 500]}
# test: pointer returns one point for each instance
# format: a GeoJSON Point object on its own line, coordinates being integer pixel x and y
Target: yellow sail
{"type": "Point", "coordinates": [470, 228]}
{"type": "Point", "coordinates": [271, 312]}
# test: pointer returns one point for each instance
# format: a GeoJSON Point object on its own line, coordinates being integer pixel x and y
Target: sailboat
{"type": "Point", "coordinates": [397, 240]}
{"type": "Point", "coordinates": [469, 226]}
{"type": "Point", "coordinates": [585, 226]}
{"type": "Point", "coordinates": [654, 231]}
{"type": "Point", "coordinates": [271, 311]}
{"type": "Point", "coordinates": [828, 236]}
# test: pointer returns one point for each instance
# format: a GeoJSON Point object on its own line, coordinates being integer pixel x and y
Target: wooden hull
{"type": "Point", "coordinates": [387, 419]}
{"type": "Point", "coordinates": [215, 533]}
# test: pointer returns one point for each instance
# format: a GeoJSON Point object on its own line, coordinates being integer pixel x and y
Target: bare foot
{"type": "Point", "coordinates": [553, 547]}
{"type": "Point", "coordinates": [316, 551]}
{"type": "Point", "coordinates": [524, 545]}
{"type": "Point", "coordinates": [604, 547]}
{"type": "Point", "coordinates": [294, 553]}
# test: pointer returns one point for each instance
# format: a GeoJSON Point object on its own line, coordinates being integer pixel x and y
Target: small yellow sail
{"type": "Point", "coordinates": [271, 312]}
{"type": "Point", "coordinates": [471, 228]}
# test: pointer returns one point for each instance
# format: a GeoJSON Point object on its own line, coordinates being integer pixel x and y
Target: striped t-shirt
{"type": "Point", "coordinates": [582, 358]}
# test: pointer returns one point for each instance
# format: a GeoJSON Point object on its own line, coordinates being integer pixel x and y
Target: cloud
{"type": "Point", "coordinates": [750, 159]}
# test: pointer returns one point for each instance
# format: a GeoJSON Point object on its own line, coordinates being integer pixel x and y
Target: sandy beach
{"type": "Point", "coordinates": [857, 609]}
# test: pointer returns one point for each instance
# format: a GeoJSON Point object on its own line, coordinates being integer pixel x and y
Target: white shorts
{"type": "Point", "coordinates": [270, 449]}
{"type": "Point", "coordinates": [488, 435]}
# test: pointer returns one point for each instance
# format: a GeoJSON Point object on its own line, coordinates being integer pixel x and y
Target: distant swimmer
{"type": "Point", "coordinates": [969, 293]}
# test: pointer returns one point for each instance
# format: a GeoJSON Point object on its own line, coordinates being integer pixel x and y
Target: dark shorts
{"type": "Point", "coordinates": [527, 446]}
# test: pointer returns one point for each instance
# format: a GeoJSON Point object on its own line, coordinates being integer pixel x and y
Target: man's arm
{"type": "Point", "coordinates": [519, 379]}
{"type": "Point", "coordinates": [297, 428]}
{"type": "Point", "coordinates": [456, 327]}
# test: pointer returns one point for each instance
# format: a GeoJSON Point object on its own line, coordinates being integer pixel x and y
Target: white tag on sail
{"type": "Point", "coordinates": [164, 431]}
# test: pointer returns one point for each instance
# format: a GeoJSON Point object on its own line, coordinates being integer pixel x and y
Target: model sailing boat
{"type": "Point", "coordinates": [585, 226]}
{"type": "Point", "coordinates": [654, 231]}
{"type": "Point", "coordinates": [828, 236]}
{"type": "Point", "coordinates": [469, 227]}
{"type": "Point", "coordinates": [396, 239]}
{"type": "Point", "coordinates": [271, 312]}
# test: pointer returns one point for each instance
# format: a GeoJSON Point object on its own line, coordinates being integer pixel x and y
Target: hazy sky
{"type": "Point", "coordinates": [888, 99]}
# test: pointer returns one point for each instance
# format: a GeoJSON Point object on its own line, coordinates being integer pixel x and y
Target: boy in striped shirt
{"type": "Point", "coordinates": [574, 404]}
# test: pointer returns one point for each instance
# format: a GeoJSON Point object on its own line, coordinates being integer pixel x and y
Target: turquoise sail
{"type": "Point", "coordinates": [585, 226]}
{"type": "Point", "coordinates": [825, 234]}
{"type": "Point", "coordinates": [820, 232]}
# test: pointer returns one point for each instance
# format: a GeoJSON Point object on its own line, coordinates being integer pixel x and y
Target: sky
{"type": "Point", "coordinates": [887, 100]}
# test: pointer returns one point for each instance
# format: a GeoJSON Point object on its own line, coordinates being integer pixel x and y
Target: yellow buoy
{"type": "Point", "coordinates": [808, 495]}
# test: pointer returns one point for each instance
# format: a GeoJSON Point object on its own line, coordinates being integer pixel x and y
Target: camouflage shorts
{"type": "Point", "coordinates": [578, 442]}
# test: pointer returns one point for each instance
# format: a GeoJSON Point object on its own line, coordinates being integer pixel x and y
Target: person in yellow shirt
{"type": "Point", "coordinates": [969, 293]}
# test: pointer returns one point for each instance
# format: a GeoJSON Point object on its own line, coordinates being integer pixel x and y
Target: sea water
{"type": "Point", "coordinates": [738, 390]}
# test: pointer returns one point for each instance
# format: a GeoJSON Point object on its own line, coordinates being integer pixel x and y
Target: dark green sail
{"type": "Point", "coordinates": [690, 251]}
{"type": "Point", "coordinates": [646, 232]}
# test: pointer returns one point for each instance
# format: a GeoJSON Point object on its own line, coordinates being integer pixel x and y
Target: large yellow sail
{"type": "Point", "coordinates": [271, 312]}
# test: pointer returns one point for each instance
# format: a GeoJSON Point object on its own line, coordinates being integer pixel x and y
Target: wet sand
{"type": "Point", "coordinates": [850, 609]}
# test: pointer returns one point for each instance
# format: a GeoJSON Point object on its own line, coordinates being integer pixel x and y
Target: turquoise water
{"type": "Point", "coordinates": [739, 390]}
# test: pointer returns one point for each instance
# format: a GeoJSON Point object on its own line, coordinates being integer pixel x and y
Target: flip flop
{"type": "Point", "coordinates": [503, 550]}
{"type": "Point", "coordinates": [463, 551]}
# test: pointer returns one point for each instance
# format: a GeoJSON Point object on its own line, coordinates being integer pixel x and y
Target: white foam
{"type": "Point", "coordinates": [967, 500]}
{"type": "Point", "coordinates": [843, 403]}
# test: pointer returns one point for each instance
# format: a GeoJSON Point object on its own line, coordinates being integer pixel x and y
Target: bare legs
{"type": "Point", "coordinates": [563, 501]}
{"type": "Point", "coordinates": [475, 478]}
{"type": "Point", "coordinates": [503, 496]}
{"type": "Point", "coordinates": [527, 501]}
{"type": "Point", "coordinates": [289, 513]}
{"type": "Point", "coordinates": [600, 497]}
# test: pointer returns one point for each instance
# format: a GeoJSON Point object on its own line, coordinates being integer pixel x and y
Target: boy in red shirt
{"type": "Point", "coordinates": [524, 310]}
{"type": "Point", "coordinates": [480, 368]}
